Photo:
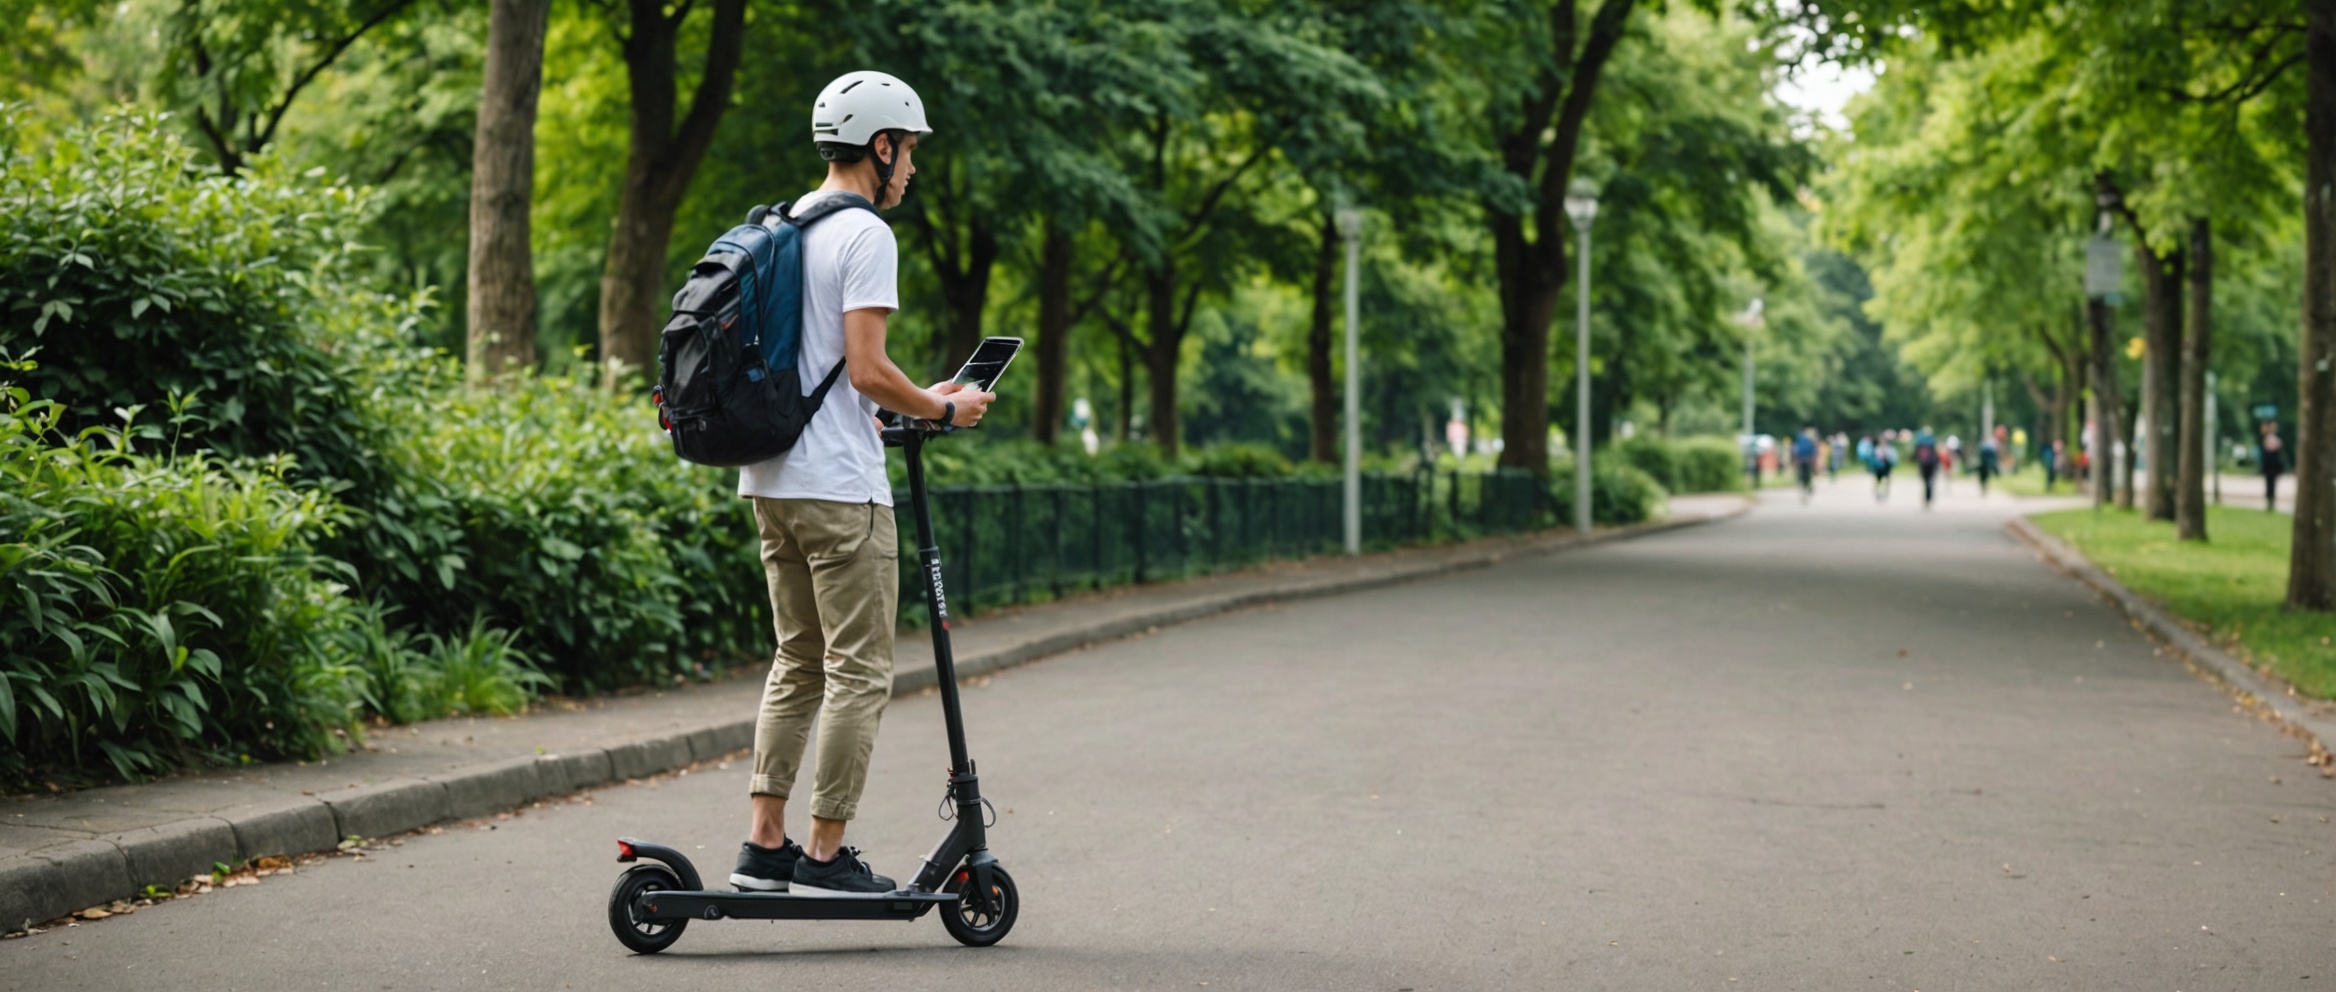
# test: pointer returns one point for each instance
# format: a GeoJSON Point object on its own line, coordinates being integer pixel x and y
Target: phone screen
{"type": "Point", "coordinates": [988, 362]}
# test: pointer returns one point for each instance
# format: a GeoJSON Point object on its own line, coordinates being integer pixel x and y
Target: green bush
{"type": "Point", "coordinates": [561, 514]}
{"type": "Point", "coordinates": [480, 672]}
{"type": "Point", "coordinates": [1619, 493]}
{"type": "Point", "coordinates": [138, 273]}
{"type": "Point", "coordinates": [1687, 465]}
{"type": "Point", "coordinates": [163, 607]}
{"type": "Point", "coordinates": [1239, 461]}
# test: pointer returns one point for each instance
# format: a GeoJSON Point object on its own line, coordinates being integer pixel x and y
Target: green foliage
{"type": "Point", "coordinates": [1619, 493]}
{"type": "Point", "coordinates": [988, 463]}
{"type": "Point", "coordinates": [171, 606]}
{"type": "Point", "coordinates": [1686, 465]}
{"type": "Point", "coordinates": [563, 516]}
{"type": "Point", "coordinates": [138, 278]}
{"type": "Point", "coordinates": [480, 671]}
{"type": "Point", "coordinates": [1239, 461]}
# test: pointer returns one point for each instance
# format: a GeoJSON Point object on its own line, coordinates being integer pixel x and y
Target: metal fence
{"type": "Point", "coordinates": [1002, 545]}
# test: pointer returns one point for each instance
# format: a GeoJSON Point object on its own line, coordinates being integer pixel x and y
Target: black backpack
{"type": "Point", "coordinates": [728, 392]}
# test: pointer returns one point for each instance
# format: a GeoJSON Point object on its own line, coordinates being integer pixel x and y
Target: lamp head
{"type": "Point", "coordinates": [1350, 222]}
{"type": "Point", "coordinates": [1581, 202]}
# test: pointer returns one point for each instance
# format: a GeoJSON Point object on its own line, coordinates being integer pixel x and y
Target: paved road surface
{"type": "Point", "coordinates": [1830, 747]}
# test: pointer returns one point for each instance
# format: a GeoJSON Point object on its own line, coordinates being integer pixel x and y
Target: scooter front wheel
{"type": "Point", "coordinates": [972, 924]}
{"type": "Point", "coordinates": [639, 935]}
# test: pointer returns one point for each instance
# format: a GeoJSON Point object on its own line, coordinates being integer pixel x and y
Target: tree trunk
{"type": "Point", "coordinates": [2160, 373]}
{"type": "Point", "coordinates": [2104, 459]}
{"type": "Point", "coordinates": [501, 304]}
{"type": "Point", "coordinates": [2311, 572]}
{"type": "Point", "coordinates": [662, 158]}
{"type": "Point", "coordinates": [1054, 333]}
{"type": "Point", "coordinates": [1539, 149]}
{"type": "Point", "coordinates": [1529, 290]}
{"type": "Point", "coordinates": [2197, 352]}
{"type": "Point", "coordinates": [1160, 355]}
{"type": "Point", "coordinates": [965, 288]}
{"type": "Point", "coordinates": [1322, 446]}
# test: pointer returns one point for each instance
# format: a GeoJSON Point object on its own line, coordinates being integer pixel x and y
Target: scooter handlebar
{"type": "Point", "coordinates": [898, 429]}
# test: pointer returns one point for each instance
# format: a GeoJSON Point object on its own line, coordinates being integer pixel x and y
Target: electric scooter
{"type": "Point", "coordinates": [654, 902]}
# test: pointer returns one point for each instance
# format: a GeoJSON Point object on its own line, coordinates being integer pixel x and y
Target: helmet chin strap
{"type": "Point", "coordinates": [884, 166]}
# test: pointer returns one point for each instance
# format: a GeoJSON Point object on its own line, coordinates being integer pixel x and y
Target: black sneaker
{"type": "Point", "coordinates": [847, 875]}
{"type": "Point", "coordinates": [766, 869]}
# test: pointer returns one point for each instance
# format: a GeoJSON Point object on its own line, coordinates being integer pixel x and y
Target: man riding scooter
{"type": "Point", "coordinates": [824, 507]}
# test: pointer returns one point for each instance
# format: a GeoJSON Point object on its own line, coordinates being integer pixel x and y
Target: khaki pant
{"type": "Point", "coordinates": [834, 573]}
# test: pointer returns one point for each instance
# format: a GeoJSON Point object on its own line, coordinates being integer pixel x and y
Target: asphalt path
{"type": "Point", "coordinates": [1836, 746]}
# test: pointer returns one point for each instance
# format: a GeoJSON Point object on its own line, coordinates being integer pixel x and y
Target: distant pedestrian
{"type": "Point", "coordinates": [2274, 462]}
{"type": "Point", "coordinates": [1926, 460]}
{"type": "Point", "coordinates": [1805, 462]}
{"type": "Point", "coordinates": [1834, 454]}
{"type": "Point", "coordinates": [1882, 462]}
{"type": "Point", "coordinates": [1950, 462]}
{"type": "Point", "coordinates": [2055, 463]}
{"type": "Point", "coordinates": [1990, 458]}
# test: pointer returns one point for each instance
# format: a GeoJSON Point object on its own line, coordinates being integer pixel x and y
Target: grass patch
{"type": "Point", "coordinates": [2029, 481]}
{"type": "Point", "coordinates": [2232, 585]}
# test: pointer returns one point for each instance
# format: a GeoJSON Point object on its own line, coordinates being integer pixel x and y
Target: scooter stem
{"type": "Point", "coordinates": [937, 606]}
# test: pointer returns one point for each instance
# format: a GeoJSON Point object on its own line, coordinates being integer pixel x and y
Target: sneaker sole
{"type": "Point", "coordinates": [750, 884]}
{"type": "Point", "coordinates": [815, 892]}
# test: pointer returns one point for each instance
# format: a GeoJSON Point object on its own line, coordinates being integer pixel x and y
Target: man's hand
{"type": "Point", "coordinates": [971, 403]}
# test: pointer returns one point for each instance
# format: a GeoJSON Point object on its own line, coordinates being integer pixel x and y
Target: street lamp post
{"type": "Point", "coordinates": [1581, 206]}
{"type": "Point", "coordinates": [1350, 227]}
{"type": "Point", "coordinates": [2104, 275]}
{"type": "Point", "coordinates": [1752, 323]}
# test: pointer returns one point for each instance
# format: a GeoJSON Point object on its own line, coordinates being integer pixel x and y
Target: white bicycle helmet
{"type": "Point", "coordinates": [858, 105]}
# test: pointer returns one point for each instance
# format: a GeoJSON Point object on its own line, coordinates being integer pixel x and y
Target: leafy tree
{"type": "Point", "coordinates": [2214, 52]}
{"type": "Point", "coordinates": [1199, 165]}
{"type": "Point", "coordinates": [1537, 132]}
{"type": "Point", "coordinates": [667, 143]}
{"type": "Point", "coordinates": [1695, 156]}
{"type": "Point", "coordinates": [240, 66]}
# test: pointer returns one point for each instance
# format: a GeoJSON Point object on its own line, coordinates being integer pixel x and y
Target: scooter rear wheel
{"type": "Point", "coordinates": [639, 935]}
{"type": "Point", "coordinates": [973, 926]}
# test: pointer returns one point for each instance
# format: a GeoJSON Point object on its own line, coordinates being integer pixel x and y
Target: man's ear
{"type": "Point", "coordinates": [890, 153]}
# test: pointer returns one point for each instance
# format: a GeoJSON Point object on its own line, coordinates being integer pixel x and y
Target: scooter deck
{"type": "Point", "coordinates": [708, 905]}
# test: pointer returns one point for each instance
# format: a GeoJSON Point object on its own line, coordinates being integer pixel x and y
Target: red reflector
{"type": "Point", "coordinates": [624, 851]}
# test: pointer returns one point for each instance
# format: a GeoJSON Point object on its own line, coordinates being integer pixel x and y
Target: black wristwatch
{"type": "Point", "coordinates": [948, 413]}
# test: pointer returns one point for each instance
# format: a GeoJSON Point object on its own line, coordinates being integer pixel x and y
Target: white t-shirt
{"type": "Point", "coordinates": [850, 262]}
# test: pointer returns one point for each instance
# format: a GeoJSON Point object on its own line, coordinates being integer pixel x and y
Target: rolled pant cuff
{"type": "Point", "coordinates": [764, 785]}
{"type": "Point", "coordinates": [834, 811]}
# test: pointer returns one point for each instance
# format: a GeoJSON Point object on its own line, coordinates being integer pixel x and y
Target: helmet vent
{"type": "Point", "coordinates": [854, 84]}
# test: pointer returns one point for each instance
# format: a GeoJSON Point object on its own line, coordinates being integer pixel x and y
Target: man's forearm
{"type": "Point", "coordinates": [873, 373]}
{"type": "Point", "coordinates": [893, 390]}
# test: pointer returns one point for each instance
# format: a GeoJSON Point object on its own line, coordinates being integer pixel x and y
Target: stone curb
{"type": "Point", "coordinates": [56, 880]}
{"type": "Point", "coordinates": [2253, 688]}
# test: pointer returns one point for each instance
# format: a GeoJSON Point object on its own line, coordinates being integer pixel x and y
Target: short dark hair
{"type": "Point", "coordinates": [837, 151]}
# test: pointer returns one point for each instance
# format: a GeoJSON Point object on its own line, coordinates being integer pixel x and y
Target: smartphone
{"type": "Point", "coordinates": [989, 361]}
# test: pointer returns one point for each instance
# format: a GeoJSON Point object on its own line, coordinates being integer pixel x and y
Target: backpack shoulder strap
{"type": "Point", "coordinates": [825, 207]}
